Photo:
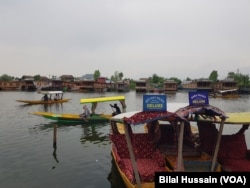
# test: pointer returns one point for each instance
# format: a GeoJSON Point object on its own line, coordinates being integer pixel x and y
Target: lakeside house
{"type": "Point", "coordinates": [27, 83]}
{"type": "Point", "coordinates": [87, 83]}
{"type": "Point", "coordinates": [198, 85]}
{"type": "Point", "coordinates": [122, 86]}
{"type": "Point", "coordinates": [170, 86]}
{"type": "Point", "coordinates": [141, 85]}
{"type": "Point", "coordinates": [9, 85]}
{"type": "Point", "coordinates": [226, 84]}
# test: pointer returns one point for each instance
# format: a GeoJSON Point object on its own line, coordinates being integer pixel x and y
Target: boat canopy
{"type": "Point", "coordinates": [203, 110]}
{"type": "Point", "coordinates": [238, 118]}
{"type": "Point", "coordinates": [102, 99]}
{"type": "Point", "coordinates": [228, 91]}
{"type": "Point", "coordinates": [96, 100]}
{"type": "Point", "coordinates": [51, 92]}
{"type": "Point", "coordinates": [147, 116]}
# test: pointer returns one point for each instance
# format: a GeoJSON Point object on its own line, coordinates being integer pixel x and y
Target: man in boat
{"type": "Point", "coordinates": [86, 112]}
{"type": "Point", "coordinates": [45, 98]}
{"type": "Point", "coordinates": [117, 109]}
{"type": "Point", "coordinates": [56, 98]}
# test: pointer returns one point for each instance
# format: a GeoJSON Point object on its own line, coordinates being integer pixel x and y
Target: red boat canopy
{"type": "Point", "coordinates": [145, 117]}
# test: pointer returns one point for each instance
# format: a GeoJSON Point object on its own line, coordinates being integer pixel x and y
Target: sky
{"type": "Point", "coordinates": [139, 38]}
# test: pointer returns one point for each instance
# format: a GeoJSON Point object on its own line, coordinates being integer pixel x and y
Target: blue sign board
{"type": "Point", "coordinates": [198, 98]}
{"type": "Point", "coordinates": [154, 102]}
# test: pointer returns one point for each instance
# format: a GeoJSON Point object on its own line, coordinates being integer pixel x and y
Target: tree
{"type": "Point", "coordinates": [6, 77]}
{"type": "Point", "coordinates": [117, 76]}
{"type": "Point", "coordinates": [120, 75]}
{"type": "Point", "coordinates": [37, 77]}
{"type": "Point", "coordinates": [213, 76]}
{"type": "Point", "coordinates": [97, 74]}
{"type": "Point", "coordinates": [242, 80]}
{"type": "Point", "coordinates": [176, 80]}
{"type": "Point", "coordinates": [156, 81]}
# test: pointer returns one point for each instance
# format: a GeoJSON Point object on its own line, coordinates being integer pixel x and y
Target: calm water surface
{"type": "Point", "coordinates": [82, 157]}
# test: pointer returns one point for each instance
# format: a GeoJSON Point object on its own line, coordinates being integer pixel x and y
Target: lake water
{"type": "Point", "coordinates": [83, 154]}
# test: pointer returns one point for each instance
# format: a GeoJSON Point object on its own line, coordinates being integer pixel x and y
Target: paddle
{"type": "Point", "coordinates": [112, 108]}
{"type": "Point", "coordinates": [83, 117]}
{"type": "Point", "coordinates": [86, 120]}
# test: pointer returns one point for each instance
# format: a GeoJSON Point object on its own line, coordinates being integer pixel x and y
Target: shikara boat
{"type": "Point", "coordinates": [76, 118]}
{"type": "Point", "coordinates": [156, 140]}
{"type": "Point", "coordinates": [230, 150]}
{"type": "Point", "coordinates": [226, 94]}
{"type": "Point", "coordinates": [52, 97]}
{"type": "Point", "coordinates": [233, 152]}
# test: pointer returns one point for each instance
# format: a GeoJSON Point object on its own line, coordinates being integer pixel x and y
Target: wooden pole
{"type": "Point", "coordinates": [132, 156]}
{"type": "Point", "coordinates": [180, 147]}
{"type": "Point", "coordinates": [217, 147]}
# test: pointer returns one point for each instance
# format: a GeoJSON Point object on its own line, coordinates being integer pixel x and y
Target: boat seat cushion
{"type": "Point", "coordinates": [143, 145]}
{"type": "Point", "coordinates": [159, 158]}
{"type": "Point", "coordinates": [148, 159]}
{"type": "Point", "coordinates": [146, 169]}
{"type": "Point", "coordinates": [236, 165]}
{"type": "Point", "coordinates": [233, 147]}
{"type": "Point", "coordinates": [126, 167]}
{"type": "Point", "coordinates": [121, 145]}
{"type": "Point", "coordinates": [208, 134]}
{"type": "Point", "coordinates": [233, 154]}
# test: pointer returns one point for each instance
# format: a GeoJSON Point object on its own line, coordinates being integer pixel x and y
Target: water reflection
{"type": "Point", "coordinates": [55, 143]}
{"type": "Point", "coordinates": [51, 107]}
{"type": "Point", "coordinates": [114, 177]}
{"type": "Point", "coordinates": [91, 134]}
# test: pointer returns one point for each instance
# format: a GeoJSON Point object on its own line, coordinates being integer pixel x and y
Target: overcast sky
{"type": "Point", "coordinates": [170, 38]}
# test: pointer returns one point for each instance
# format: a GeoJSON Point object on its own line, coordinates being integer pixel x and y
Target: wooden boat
{"type": "Point", "coordinates": [53, 97]}
{"type": "Point", "coordinates": [230, 150]}
{"type": "Point", "coordinates": [75, 118]}
{"type": "Point", "coordinates": [226, 94]}
{"type": "Point", "coordinates": [233, 152]}
{"type": "Point", "coordinates": [162, 147]}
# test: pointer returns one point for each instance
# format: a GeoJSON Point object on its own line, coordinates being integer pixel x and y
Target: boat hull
{"type": "Point", "coordinates": [226, 96]}
{"type": "Point", "coordinates": [31, 102]}
{"type": "Point", "coordinates": [74, 118]}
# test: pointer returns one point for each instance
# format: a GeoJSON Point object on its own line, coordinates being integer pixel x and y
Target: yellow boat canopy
{"type": "Point", "coordinates": [96, 100]}
{"type": "Point", "coordinates": [102, 99]}
{"type": "Point", "coordinates": [238, 118]}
